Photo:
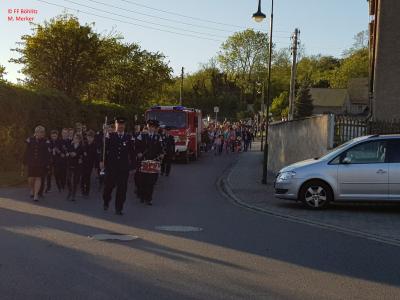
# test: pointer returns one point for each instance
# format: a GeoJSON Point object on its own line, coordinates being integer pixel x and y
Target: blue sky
{"type": "Point", "coordinates": [327, 26]}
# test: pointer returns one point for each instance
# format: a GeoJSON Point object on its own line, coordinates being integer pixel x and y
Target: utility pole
{"type": "Point", "coordinates": [263, 114]}
{"type": "Point", "coordinates": [181, 89]}
{"type": "Point", "coordinates": [260, 91]}
{"type": "Point", "coordinates": [292, 95]}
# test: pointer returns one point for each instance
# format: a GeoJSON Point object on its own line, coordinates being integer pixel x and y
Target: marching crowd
{"type": "Point", "coordinates": [72, 156]}
{"type": "Point", "coordinates": [228, 137]}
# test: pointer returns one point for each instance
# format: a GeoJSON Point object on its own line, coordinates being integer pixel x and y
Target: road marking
{"type": "Point", "coordinates": [114, 236]}
{"type": "Point", "coordinates": [179, 228]}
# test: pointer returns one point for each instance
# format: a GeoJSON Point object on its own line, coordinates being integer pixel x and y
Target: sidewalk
{"type": "Point", "coordinates": [242, 184]}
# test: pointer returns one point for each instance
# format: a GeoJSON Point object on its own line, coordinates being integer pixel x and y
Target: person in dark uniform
{"type": "Point", "coordinates": [247, 139]}
{"type": "Point", "coordinates": [52, 144]}
{"type": "Point", "coordinates": [168, 142]}
{"type": "Point", "coordinates": [139, 130]}
{"type": "Point", "coordinates": [98, 139]}
{"type": "Point", "coordinates": [45, 185]}
{"type": "Point", "coordinates": [36, 158]}
{"type": "Point", "coordinates": [60, 164]}
{"type": "Point", "coordinates": [74, 165]}
{"type": "Point", "coordinates": [71, 132]}
{"type": "Point", "coordinates": [148, 147]}
{"type": "Point", "coordinates": [118, 162]}
{"type": "Point", "coordinates": [90, 160]}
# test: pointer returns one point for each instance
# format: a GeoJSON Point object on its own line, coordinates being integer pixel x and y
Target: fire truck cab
{"type": "Point", "coordinates": [186, 127]}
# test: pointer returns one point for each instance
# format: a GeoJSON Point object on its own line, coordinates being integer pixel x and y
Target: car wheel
{"type": "Point", "coordinates": [316, 194]}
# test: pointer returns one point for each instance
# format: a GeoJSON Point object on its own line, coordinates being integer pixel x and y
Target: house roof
{"type": "Point", "coordinates": [329, 97]}
{"type": "Point", "coordinates": [359, 91]}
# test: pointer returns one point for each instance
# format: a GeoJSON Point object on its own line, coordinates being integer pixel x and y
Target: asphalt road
{"type": "Point", "coordinates": [46, 252]}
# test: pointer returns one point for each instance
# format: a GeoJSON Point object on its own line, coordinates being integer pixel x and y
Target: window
{"type": "Point", "coordinates": [173, 119]}
{"type": "Point", "coordinates": [394, 151]}
{"type": "Point", "coordinates": [365, 153]}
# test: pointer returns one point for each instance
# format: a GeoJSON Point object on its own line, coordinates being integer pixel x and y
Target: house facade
{"type": "Point", "coordinates": [385, 59]}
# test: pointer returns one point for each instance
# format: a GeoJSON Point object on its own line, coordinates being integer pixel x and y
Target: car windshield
{"type": "Point", "coordinates": [333, 152]}
{"type": "Point", "coordinates": [176, 120]}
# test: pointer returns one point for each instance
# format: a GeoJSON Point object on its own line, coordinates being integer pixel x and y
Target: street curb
{"type": "Point", "coordinates": [224, 187]}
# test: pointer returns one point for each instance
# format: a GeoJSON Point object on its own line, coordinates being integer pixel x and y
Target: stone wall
{"type": "Point", "coordinates": [294, 141]}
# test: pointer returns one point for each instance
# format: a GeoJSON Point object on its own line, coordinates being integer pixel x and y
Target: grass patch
{"type": "Point", "coordinates": [12, 179]}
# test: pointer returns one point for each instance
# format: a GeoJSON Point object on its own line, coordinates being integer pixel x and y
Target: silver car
{"type": "Point", "coordinates": [363, 169]}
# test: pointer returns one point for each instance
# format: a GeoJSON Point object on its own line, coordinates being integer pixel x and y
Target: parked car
{"type": "Point", "coordinates": [363, 169]}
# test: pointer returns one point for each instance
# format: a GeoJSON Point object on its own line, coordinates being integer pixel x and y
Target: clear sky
{"type": "Point", "coordinates": [327, 26]}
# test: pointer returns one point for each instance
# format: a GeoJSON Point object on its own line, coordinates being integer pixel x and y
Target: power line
{"type": "Point", "coordinates": [179, 15]}
{"type": "Point", "coordinates": [190, 17]}
{"type": "Point", "coordinates": [130, 23]}
{"type": "Point", "coordinates": [166, 19]}
{"type": "Point", "coordinates": [147, 22]}
{"type": "Point", "coordinates": [144, 21]}
{"type": "Point", "coordinates": [161, 18]}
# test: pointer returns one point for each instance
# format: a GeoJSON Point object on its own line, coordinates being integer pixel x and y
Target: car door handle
{"type": "Point", "coordinates": [381, 171]}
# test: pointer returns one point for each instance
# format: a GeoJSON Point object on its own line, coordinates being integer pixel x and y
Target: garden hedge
{"type": "Point", "coordinates": [23, 109]}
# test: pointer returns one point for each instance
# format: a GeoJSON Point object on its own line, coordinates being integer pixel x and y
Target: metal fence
{"type": "Point", "coordinates": [347, 128]}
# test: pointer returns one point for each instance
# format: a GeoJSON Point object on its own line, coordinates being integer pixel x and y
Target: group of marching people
{"type": "Point", "coordinates": [72, 156]}
{"type": "Point", "coordinates": [228, 137]}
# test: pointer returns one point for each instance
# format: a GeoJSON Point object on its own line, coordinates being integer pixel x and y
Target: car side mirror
{"type": "Point", "coordinates": [346, 161]}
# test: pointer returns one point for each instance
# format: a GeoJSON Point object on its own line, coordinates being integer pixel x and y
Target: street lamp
{"type": "Point", "coordinates": [259, 17]}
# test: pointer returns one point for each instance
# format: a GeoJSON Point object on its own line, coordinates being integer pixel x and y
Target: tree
{"type": "Point", "coordinates": [204, 89]}
{"type": "Point", "coordinates": [243, 57]}
{"type": "Point", "coordinates": [353, 66]}
{"type": "Point", "coordinates": [361, 41]}
{"type": "Point", "coordinates": [304, 104]}
{"type": "Point", "coordinates": [131, 76]}
{"type": "Point", "coordinates": [2, 73]}
{"type": "Point", "coordinates": [61, 54]}
{"type": "Point", "coordinates": [210, 87]}
{"type": "Point", "coordinates": [317, 69]}
{"type": "Point", "coordinates": [281, 73]}
{"type": "Point", "coordinates": [280, 106]}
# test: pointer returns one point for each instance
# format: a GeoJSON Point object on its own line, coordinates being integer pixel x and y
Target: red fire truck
{"type": "Point", "coordinates": [186, 127]}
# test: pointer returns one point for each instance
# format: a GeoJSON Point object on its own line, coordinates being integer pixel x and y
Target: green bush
{"type": "Point", "coordinates": [23, 109]}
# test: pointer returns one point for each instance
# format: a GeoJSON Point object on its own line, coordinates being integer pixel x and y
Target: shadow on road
{"type": "Point", "coordinates": [226, 226]}
{"type": "Point", "coordinates": [47, 270]}
{"type": "Point", "coordinates": [367, 207]}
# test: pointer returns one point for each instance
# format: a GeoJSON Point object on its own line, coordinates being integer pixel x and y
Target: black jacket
{"type": "Point", "coordinates": [149, 146]}
{"type": "Point", "coordinates": [76, 160]}
{"type": "Point", "coordinates": [119, 152]}
{"type": "Point", "coordinates": [51, 146]}
{"type": "Point", "coordinates": [90, 155]}
{"type": "Point", "coordinates": [61, 151]}
{"type": "Point", "coordinates": [36, 153]}
{"type": "Point", "coordinates": [168, 144]}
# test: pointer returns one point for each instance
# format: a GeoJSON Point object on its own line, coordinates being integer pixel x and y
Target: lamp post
{"type": "Point", "coordinates": [259, 17]}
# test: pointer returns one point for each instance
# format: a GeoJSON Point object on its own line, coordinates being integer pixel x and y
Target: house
{"type": "Point", "coordinates": [358, 101]}
{"type": "Point", "coordinates": [351, 101]}
{"type": "Point", "coordinates": [329, 101]}
{"type": "Point", "coordinates": [385, 58]}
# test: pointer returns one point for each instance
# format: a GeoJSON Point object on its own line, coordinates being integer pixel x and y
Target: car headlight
{"type": "Point", "coordinates": [285, 176]}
